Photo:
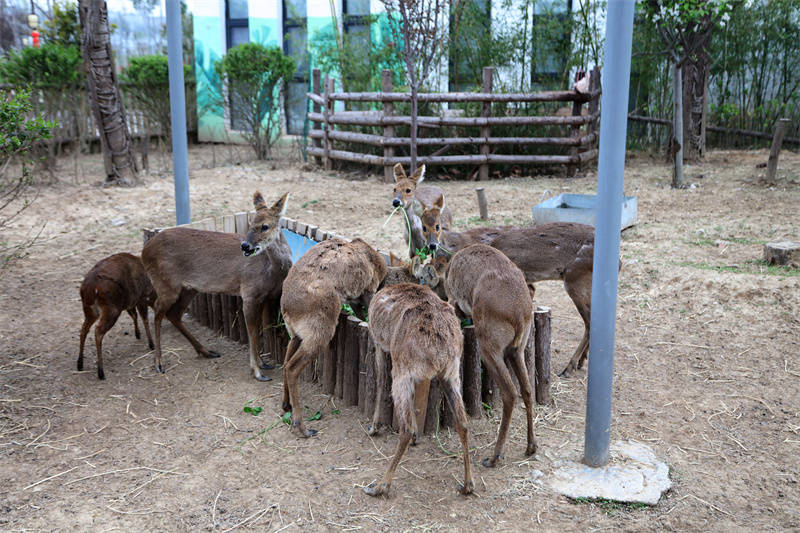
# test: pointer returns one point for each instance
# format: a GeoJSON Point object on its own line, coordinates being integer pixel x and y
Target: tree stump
{"type": "Point", "coordinates": [541, 319]}
{"type": "Point", "coordinates": [782, 253]}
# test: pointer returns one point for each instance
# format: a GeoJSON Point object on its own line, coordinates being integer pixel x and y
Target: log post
{"type": "Point", "coordinates": [351, 361]}
{"type": "Point", "coordinates": [594, 104]}
{"type": "Point", "coordinates": [329, 367]}
{"type": "Point", "coordinates": [433, 411]}
{"type": "Point", "coordinates": [575, 132]}
{"type": "Point", "coordinates": [212, 300]}
{"type": "Point", "coordinates": [317, 89]}
{"type": "Point", "coordinates": [486, 111]}
{"type": "Point", "coordinates": [386, 409]}
{"type": "Point", "coordinates": [241, 225]}
{"type": "Point", "coordinates": [329, 86]}
{"type": "Point", "coordinates": [483, 207]}
{"type": "Point", "coordinates": [388, 131]}
{"type": "Point", "coordinates": [782, 253]}
{"type": "Point", "coordinates": [421, 403]}
{"type": "Point", "coordinates": [472, 374]}
{"type": "Point", "coordinates": [542, 333]}
{"type": "Point", "coordinates": [368, 393]}
{"type": "Point", "coordinates": [341, 346]}
{"type": "Point", "coordinates": [363, 363]}
{"type": "Point", "coordinates": [777, 141]}
{"type": "Point", "coordinates": [200, 302]}
{"type": "Point", "coordinates": [530, 356]}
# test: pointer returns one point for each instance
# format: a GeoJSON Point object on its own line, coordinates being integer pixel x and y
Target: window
{"type": "Point", "coordinates": [237, 32]}
{"type": "Point", "coordinates": [551, 25]}
{"type": "Point", "coordinates": [465, 57]}
{"type": "Point", "coordinates": [295, 45]}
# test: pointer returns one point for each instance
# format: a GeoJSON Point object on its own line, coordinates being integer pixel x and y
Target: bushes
{"type": "Point", "coordinates": [18, 137]}
{"type": "Point", "coordinates": [252, 74]}
{"type": "Point", "coordinates": [52, 64]}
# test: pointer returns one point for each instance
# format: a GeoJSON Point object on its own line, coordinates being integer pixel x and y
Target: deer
{"type": "Point", "coordinates": [481, 282]}
{"type": "Point", "coordinates": [410, 195]}
{"type": "Point", "coordinates": [555, 251]}
{"type": "Point", "coordinates": [184, 261]}
{"type": "Point", "coordinates": [423, 337]}
{"type": "Point", "coordinates": [115, 284]}
{"type": "Point", "coordinates": [331, 273]}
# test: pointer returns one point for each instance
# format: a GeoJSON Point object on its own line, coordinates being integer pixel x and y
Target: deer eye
{"type": "Point", "coordinates": [264, 227]}
{"type": "Point", "coordinates": [437, 227]}
{"type": "Point", "coordinates": [424, 229]}
{"type": "Point", "coordinates": [408, 191]}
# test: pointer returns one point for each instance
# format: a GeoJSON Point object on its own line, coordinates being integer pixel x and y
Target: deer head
{"type": "Point", "coordinates": [265, 227]}
{"type": "Point", "coordinates": [404, 187]}
{"type": "Point", "coordinates": [431, 222]}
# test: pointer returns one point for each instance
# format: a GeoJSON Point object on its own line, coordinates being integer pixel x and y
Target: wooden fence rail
{"type": "Point", "coordinates": [326, 118]}
{"type": "Point", "coordinates": [347, 369]}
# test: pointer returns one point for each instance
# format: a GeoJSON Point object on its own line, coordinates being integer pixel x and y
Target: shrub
{"type": "Point", "coordinates": [51, 64]}
{"type": "Point", "coordinates": [252, 74]}
{"type": "Point", "coordinates": [18, 136]}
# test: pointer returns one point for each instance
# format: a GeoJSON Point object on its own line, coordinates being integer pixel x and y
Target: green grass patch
{"type": "Point", "coordinates": [748, 267]}
{"type": "Point", "coordinates": [611, 507]}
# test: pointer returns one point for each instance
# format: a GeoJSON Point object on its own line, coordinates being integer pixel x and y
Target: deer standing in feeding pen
{"type": "Point", "coordinates": [115, 284]}
{"type": "Point", "coordinates": [559, 250]}
{"type": "Point", "coordinates": [423, 337]}
{"type": "Point", "coordinates": [410, 195]}
{"type": "Point", "coordinates": [331, 273]}
{"type": "Point", "coordinates": [483, 283]}
{"type": "Point", "coordinates": [184, 261]}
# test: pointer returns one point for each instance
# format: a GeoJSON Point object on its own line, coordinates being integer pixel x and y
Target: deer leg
{"type": "Point", "coordinates": [286, 405]}
{"type": "Point", "coordinates": [166, 297]}
{"type": "Point", "coordinates": [142, 307]}
{"type": "Point", "coordinates": [136, 332]}
{"type": "Point", "coordinates": [252, 318]}
{"type": "Point", "coordinates": [380, 374]}
{"type": "Point", "coordinates": [89, 318]}
{"type": "Point", "coordinates": [304, 354]}
{"type": "Point", "coordinates": [499, 372]}
{"type": "Point", "coordinates": [521, 370]}
{"type": "Point", "coordinates": [402, 392]}
{"type": "Point", "coordinates": [579, 288]}
{"type": "Point", "coordinates": [452, 389]}
{"type": "Point", "coordinates": [108, 318]}
{"type": "Point", "coordinates": [175, 316]}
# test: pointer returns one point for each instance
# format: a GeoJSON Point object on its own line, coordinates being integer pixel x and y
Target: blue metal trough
{"type": "Point", "coordinates": [581, 208]}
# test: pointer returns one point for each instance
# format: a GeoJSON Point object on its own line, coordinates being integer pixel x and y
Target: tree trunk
{"type": "Point", "coordinates": [104, 96]}
{"type": "Point", "coordinates": [677, 127]}
{"type": "Point", "coordinates": [414, 112]}
{"type": "Point", "coordinates": [695, 105]}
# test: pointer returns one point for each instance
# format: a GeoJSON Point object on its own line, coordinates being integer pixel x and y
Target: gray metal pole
{"type": "Point", "coordinates": [610, 168]}
{"type": "Point", "coordinates": [177, 105]}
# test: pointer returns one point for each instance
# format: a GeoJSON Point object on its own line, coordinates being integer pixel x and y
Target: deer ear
{"type": "Point", "coordinates": [418, 207]}
{"type": "Point", "coordinates": [394, 261]}
{"type": "Point", "coordinates": [280, 206]}
{"type": "Point", "coordinates": [258, 200]}
{"type": "Point", "coordinates": [430, 276]}
{"type": "Point", "coordinates": [419, 175]}
{"type": "Point", "coordinates": [399, 173]}
{"type": "Point", "coordinates": [439, 202]}
{"type": "Point", "coordinates": [416, 267]}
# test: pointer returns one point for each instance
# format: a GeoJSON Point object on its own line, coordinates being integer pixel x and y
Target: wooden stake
{"type": "Point", "coordinates": [434, 410]}
{"type": "Point", "coordinates": [542, 333]}
{"type": "Point", "coordinates": [421, 403]}
{"type": "Point", "coordinates": [472, 374]}
{"type": "Point", "coordinates": [317, 88]}
{"type": "Point", "coordinates": [483, 207]}
{"type": "Point", "coordinates": [351, 361]}
{"type": "Point", "coordinates": [777, 141]}
{"type": "Point", "coordinates": [388, 131]}
{"type": "Point", "coordinates": [370, 378]}
{"type": "Point", "coordinates": [486, 111]}
{"type": "Point", "coordinates": [341, 346]}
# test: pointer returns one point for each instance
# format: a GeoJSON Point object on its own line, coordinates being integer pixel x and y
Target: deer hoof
{"type": "Point", "coordinates": [259, 377]}
{"type": "Point", "coordinates": [490, 462]}
{"type": "Point", "coordinates": [138, 335]}
{"type": "Point", "coordinates": [286, 406]}
{"type": "Point", "coordinates": [374, 490]}
{"type": "Point", "coordinates": [80, 365]}
{"type": "Point", "coordinates": [160, 368]}
{"type": "Point", "coordinates": [567, 372]}
{"type": "Point", "coordinates": [303, 432]}
{"type": "Point", "coordinates": [101, 374]}
{"type": "Point", "coordinates": [151, 345]}
{"type": "Point", "coordinates": [466, 488]}
{"type": "Point", "coordinates": [413, 439]}
{"type": "Point", "coordinates": [212, 355]}
{"type": "Point", "coordinates": [265, 366]}
{"type": "Point", "coordinates": [372, 430]}
{"type": "Point", "coordinates": [531, 449]}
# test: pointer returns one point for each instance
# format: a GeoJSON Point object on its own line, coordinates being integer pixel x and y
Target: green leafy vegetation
{"type": "Point", "coordinates": [611, 507]}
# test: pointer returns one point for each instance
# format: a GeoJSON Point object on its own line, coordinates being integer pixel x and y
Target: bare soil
{"type": "Point", "coordinates": [707, 370]}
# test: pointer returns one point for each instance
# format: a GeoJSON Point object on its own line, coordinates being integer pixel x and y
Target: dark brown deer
{"type": "Point", "coordinates": [483, 283]}
{"type": "Point", "coordinates": [115, 284]}
{"type": "Point", "coordinates": [423, 337]}
{"type": "Point", "coordinates": [409, 194]}
{"type": "Point", "coordinates": [184, 261]}
{"type": "Point", "coordinates": [560, 250]}
{"type": "Point", "coordinates": [331, 273]}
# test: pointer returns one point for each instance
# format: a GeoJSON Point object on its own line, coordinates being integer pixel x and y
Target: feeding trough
{"type": "Point", "coordinates": [580, 208]}
{"type": "Point", "coordinates": [299, 244]}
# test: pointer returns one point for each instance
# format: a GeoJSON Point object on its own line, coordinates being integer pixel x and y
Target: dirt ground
{"type": "Point", "coordinates": [707, 371]}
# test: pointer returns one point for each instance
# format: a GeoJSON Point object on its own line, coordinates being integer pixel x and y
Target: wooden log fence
{"type": "Point", "coordinates": [347, 370]}
{"type": "Point", "coordinates": [581, 144]}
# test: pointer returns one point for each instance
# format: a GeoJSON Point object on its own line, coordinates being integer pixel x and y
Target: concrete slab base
{"type": "Point", "coordinates": [633, 475]}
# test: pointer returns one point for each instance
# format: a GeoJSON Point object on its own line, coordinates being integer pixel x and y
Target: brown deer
{"type": "Point", "coordinates": [483, 283]}
{"type": "Point", "coordinates": [559, 250]}
{"type": "Point", "coordinates": [331, 273]}
{"type": "Point", "coordinates": [183, 261]}
{"type": "Point", "coordinates": [423, 336]}
{"type": "Point", "coordinates": [114, 284]}
{"type": "Point", "coordinates": [409, 194]}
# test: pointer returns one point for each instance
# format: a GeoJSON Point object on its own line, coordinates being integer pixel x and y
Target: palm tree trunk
{"type": "Point", "coordinates": [104, 96]}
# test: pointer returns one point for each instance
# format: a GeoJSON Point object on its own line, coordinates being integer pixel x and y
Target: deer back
{"type": "Point", "coordinates": [420, 330]}
{"type": "Point", "coordinates": [119, 280]}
